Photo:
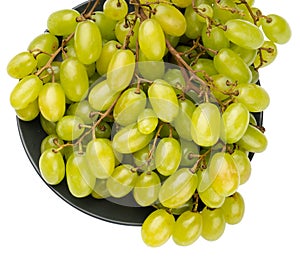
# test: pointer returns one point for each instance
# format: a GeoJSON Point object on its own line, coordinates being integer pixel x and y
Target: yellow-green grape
{"type": "Point", "coordinates": [235, 120]}
{"type": "Point", "coordinates": [45, 42]}
{"type": "Point", "coordinates": [146, 188]}
{"type": "Point", "coordinates": [30, 112]}
{"type": "Point", "coordinates": [21, 65]}
{"type": "Point", "coordinates": [90, 69]}
{"type": "Point", "coordinates": [150, 29]}
{"type": "Point", "coordinates": [52, 166]}
{"type": "Point", "coordinates": [253, 140]}
{"type": "Point", "coordinates": [80, 179]}
{"type": "Point", "coordinates": [255, 74]}
{"type": "Point", "coordinates": [167, 156]}
{"type": "Point", "coordinates": [221, 85]}
{"type": "Point", "coordinates": [188, 148]}
{"type": "Point", "coordinates": [51, 141]}
{"type": "Point", "coordinates": [142, 159]}
{"type": "Point", "coordinates": [150, 70]}
{"type": "Point", "coordinates": [213, 225]}
{"type": "Point", "coordinates": [243, 165]}
{"type": "Point", "coordinates": [233, 208]}
{"type": "Point", "coordinates": [118, 156]}
{"type": "Point", "coordinates": [129, 139]}
{"type": "Point", "coordinates": [100, 190]}
{"type": "Point", "coordinates": [232, 65]}
{"type": "Point", "coordinates": [226, 10]}
{"type": "Point", "coordinates": [244, 33]}
{"type": "Point", "coordinates": [74, 79]}
{"type": "Point", "coordinates": [105, 24]}
{"type": "Point", "coordinates": [62, 22]}
{"type": "Point", "coordinates": [170, 18]}
{"type": "Point", "coordinates": [175, 78]}
{"type": "Point", "coordinates": [147, 121]}
{"type": "Point", "coordinates": [163, 100]}
{"type": "Point", "coordinates": [25, 92]}
{"type": "Point", "coordinates": [157, 228]}
{"type": "Point", "coordinates": [178, 188]}
{"type": "Point", "coordinates": [87, 42]}
{"type": "Point", "coordinates": [83, 110]}
{"type": "Point", "coordinates": [101, 97]}
{"type": "Point", "coordinates": [115, 9]}
{"type": "Point", "coordinates": [248, 55]}
{"type": "Point", "coordinates": [124, 27]}
{"type": "Point", "coordinates": [204, 180]}
{"type": "Point", "coordinates": [182, 3]}
{"type": "Point", "coordinates": [276, 28]}
{"type": "Point", "coordinates": [204, 67]}
{"type": "Point", "coordinates": [211, 198]}
{"type": "Point", "coordinates": [225, 174]}
{"type": "Point", "coordinates": [130, 102]}
{"type": "Point", "coordinates": [48, 126]}
{"type": "Point", "coordinates": [194, 27]}
{"type": "Point", "coordinates": [100, 157]}
{"type": "Point", "coordinates": [206, 125]}
{"type": "Point", "coordinates": [69, 127]}
{"type": "Point", "coordinates": [254, 97]}
{"type": "Point", "coordinates": [120, 70]}
{"type": "Point", "coordinates": [121, 181]}
{"type": "Point", "coordinates": [266, 55]}
{"type": "Point", "coordinates": [204, 11]}
{"type": "Point", "coordinates": [103, 130]}
{"type": "Point", "coordinates": [188, 228]}
{"type": "Point", "coordinates": [52, 103]}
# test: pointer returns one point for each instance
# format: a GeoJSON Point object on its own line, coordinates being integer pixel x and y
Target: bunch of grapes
{"type": "Point", "coordinates": [156, 99]}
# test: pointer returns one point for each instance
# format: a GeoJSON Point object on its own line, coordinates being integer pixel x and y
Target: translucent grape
{"type": "Point", "coordinates": [193, 26]}
{"type": "Point", "coordinates": [105, 24]}
{"type": "Point", "coordinates": [150, 70]}
{"type": "Point", "coordinates": [211, 198]}
{"type": "Point", "coordinates": [143, 160]}
{"type": "Point", "coordinates": [126, 27]}
{"type": "Point", "coordinates": [100, 190]}
{"type": "Point", "coordinates": [30, 112]}
{"type": "Point", "coordinates": [147, 121]}
{"type": "Point", "coordinates": [188, 148]}
{"type": "Point", "coordinates": [51, 141]}
{"type": "Point", "coordinates": [248, 55]}
{"type": "Point", "coordinates": [243, 165]}
{"type": "Point", "coordinates": [233, 208]}
{"type": "Point", "coordinates": [83, 110]}
{"type": "Point", "coordinates": [267, 55]}
{"type": "Point", "coordinates": [69, 127]}
{"type": "Point", "coordinates": [115, 9]}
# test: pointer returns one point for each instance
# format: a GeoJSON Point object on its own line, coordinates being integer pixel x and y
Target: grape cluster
{"type": "Point", "coordinates": [155, 99]}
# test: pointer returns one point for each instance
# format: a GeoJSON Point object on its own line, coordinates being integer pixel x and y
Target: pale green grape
{"type": "Point", "coordinates": [188, 148]}
{"type": "Point", "coordinates": [105, 24]}
{"type": "Point", "coordinates": [157, 228]}
{"type": "Point", "coordinates": [143, 160]}
{"type": "Point", "coordinates": [147, 188]}
{"type": "Point", "coordinates": [175, 78]}
{"type": "Point", "coordinates": [83, 110]}
{"type": "Point", "coordinates": [223, 11]}
{"type": "Point", "coordinates": [243, 165]}
{"type": "Point", "coordinates": [52, 103]}
{"type": "Point", "coordinates": [248, 55]}
{"type": "Point", "coordinates": [69, 127]}
{"type": "Point", "coordinates": [178, 188]}
{"type": "Point", "coordinates": [206, 124]}
{"type": "Point", "coordinates": [48, 126]}
{"type": "Point", "coordinates": [30, 112]}
{"type": "Point", "coordinates": [188, 228]}
{"type": "Point", "coordinates": [167, 156]}
{"type": "Point", "coordinates": [203, 67]}
{"type": "Point", "coordinates": [52, 166]}
{"type": "Point", "coordinates": [147, 121]}
{"type": "Point", "coordinates": [193, 26]}
{"type": "Point", "coordinates": [21, 65]}
{"type": "Point", "coordinates": [62, 22]}
{"type": "Point", "coordinates": [103, 130]}
{"type": "Point", "coordinates": [25, 92]}
{"type": "Point", "coordinates": [150, 70]}
{"type": "Point", "coordinates": [204, 180]}
{"type": "Point", "coordinates": [124, 27]}
{"type": "Point", "coordinates": [221, 86]}
{"type": "Point", "coordinates": [100, 190]}
{"type": "Point", "coordinates": [115, 9]}
{"type": "Point", "coordinates": [211, 198]}
{"type": "Point", "coordinates": [267, 55]}
{"type": "Point", "coordinates": [51, 141]}
{"type": "Point", "coordinates": [204, 11]}
{"type": "Point", "coordinates": [233, 208]}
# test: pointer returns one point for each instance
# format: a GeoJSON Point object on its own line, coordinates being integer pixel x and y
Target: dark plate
{"type": "Point", "coordinates": [122, 211]}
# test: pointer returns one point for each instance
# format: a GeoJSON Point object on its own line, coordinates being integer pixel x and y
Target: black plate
{"type": "Point", "coordinates": [122, 211]}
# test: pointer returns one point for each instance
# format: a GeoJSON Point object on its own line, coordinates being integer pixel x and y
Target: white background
{"type": "Point", "coordinates": [39, 229]}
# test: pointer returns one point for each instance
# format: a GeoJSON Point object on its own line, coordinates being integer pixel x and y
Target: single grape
{"type": "Point", "coordinates": [248, 55]}
{"type": "Point", "coordinates": [143, 160]}
{"type": "Point", "coordinates": [30, 112]}
{"type": "Point", "coordinates": [204, 67]}
{"type": "Point", "coordinates": [233, 208]}
{"type": "Point", "coordinates": [48, 126]}
{"type": "Point", "coordinates": [147, 121]}
{"type": "Point", "coordinates": [51, 141]}
{"type": "Point", "coordinates": [204, 11]}
{"type": "Point", "coordinates": [69, 127]}
{"type": "Point", "coordinates": [83, 110]}
{"type": "Point", "coordinates": [188, 148]}
{"type": "Point", "coordinates": [105, 24]}
{"type": "Point", "coordinates": [115, 9]}
{"type": "Point", "coordinates": [193, 26]}
{"type": "Point", "coordinates": [100, 190]}
{"type": "Point", "coordinates": [226, 10]}
{"type": "Point", "coordinates": [243, 165]}
{"type": "Point", "coordinates": [211, 198]}
{"type": "Point", "coordinates": [103, 130]}
{"type": "Point", "coordinates": [267, 54]}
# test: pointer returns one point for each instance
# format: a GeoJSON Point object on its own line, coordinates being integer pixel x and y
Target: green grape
{"type": "Point", "coordinates": [45, 42]}
{"type": "Point", "coordinates": [193, 26]}
{"type": "Point", "coordinates": [62, 22]}
{"type": "Point", "coordinates": [163, 100]}
{"type": "Point", "coordinates": [188, 228]}
{"type": "Point", "coordinates": [87, 42]}
{"type": "Point", "coordinates": [188, 148]}
{"type": "Point", "coordinates": [205, 180]}
{"type": "Point", "coordinates": [105, 24]}
{"type": "Point", "coordinates": [52, 103]}
{"type": "Point", "coordinates": [122, 181]}
{"type": "Point", "coordinates": [147, 121]}
{"type": "Point", "coordinates": [80, 179]}
{"type": "Point", "coordinates": [115, 9]}
{"type": "Point", "coordinates": [21, 65]}
{"type": "Point", "coordinates": [226, 10]}
{"type": "Point", "coordinates": [221, 84]}
{"type": "Point", "coordinates": [150, 70]}
{"type": "Point", "coordinates": [213, 225]}
{"type": "Point", "coordinates": [124, 27]}
{"type": "Point", "coordinates": [120, 70]}
{"type": "Point", "coordinates": [215, 40]}
{"type": "Point", "coordinates": [130, 102]}
{"type": "Point", "coordinates": [101, 97]}
{"type": "Point", "coordinates": [253, 96]}
{"type": "Point", "coordinates": [244, 33]}
{"type": "Point", "coordinates": [30, 112]}
{"type": "Point", "coordinates": [204, 11]}
{"type": "Point", "coordinates": [277, 29]}
{"type": "Point", "coordinates": [55, 70]}
{"type": "Point", "coordinates": [52, 166]}
{"type": "Point", "coordinates": [48, 126]}
{"type": "Point", "coordinates": [143, 160]}
{"type": "Point", "coordinates": [211, 198]}
{"type": "Point", "coordinates": [90, 69]}
{"type": "Point", "coordinates": [187, 206]}
{"type": "Point", "coordinates": [229, 63]}
{"type": "Point", "coordinates": [167, 156]}
{"type": "Point", "coordinates": [206, 124]}
{"type": "Point", "coordinates": [146, 188]}
{"type": "Point", "coordinates": [51, 141]}
{"type": "Point", "coordinates": [150, 29]}
{"type": "Point", "coordinates": [224, 172]}
{"type": "Point", "coordinates": [103, 130]}
{"type": "Point", "coordinates": [204, 67]}
{"type": "Point", "coordinates": [178, 188]}
{"type": "Point", "coordinates": [268, 53]}
{"type": "Point", "coordinates": [235, 119]}
{"type": "Point", "coordinates": [129, 139]}
{"type": "Point", "coordinates": [69, 127]}
{"type": "Point", "coordinates": [233, 208]}
{"type": "Point", "coordinates": [157, 228]}
{"type": "Point", "coordinates": [118, 156]}
{"type": "Point", "coordinates": [100, 157]}
{"type": "Point", "coordinates": [83, 110]}
{"type": "Point", "coordinates": [25, 92]}
{"type": "Point", "coordinates": [248, 55]}
{"type": "Point", "coordinates": [100, 190]}
{"type": "Point", "coordinates": [182, 3]}
{"type": "Point", "coordinates": [243, 165]}
{"type": "Point", "coordinates": [74, 79]}
{"type": "Point", "coordinates": [253, 140]}
{"type": "Point", "coordinates": [187, 55]}
{"type": "Point", "coordinates": [171, 19]}
{"type": "Point", "coordinates": [255, 74]}
{"type": "Point", "coordinates": [70, 51]}
{"type": "Point", "coordinates": [175, 78]}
